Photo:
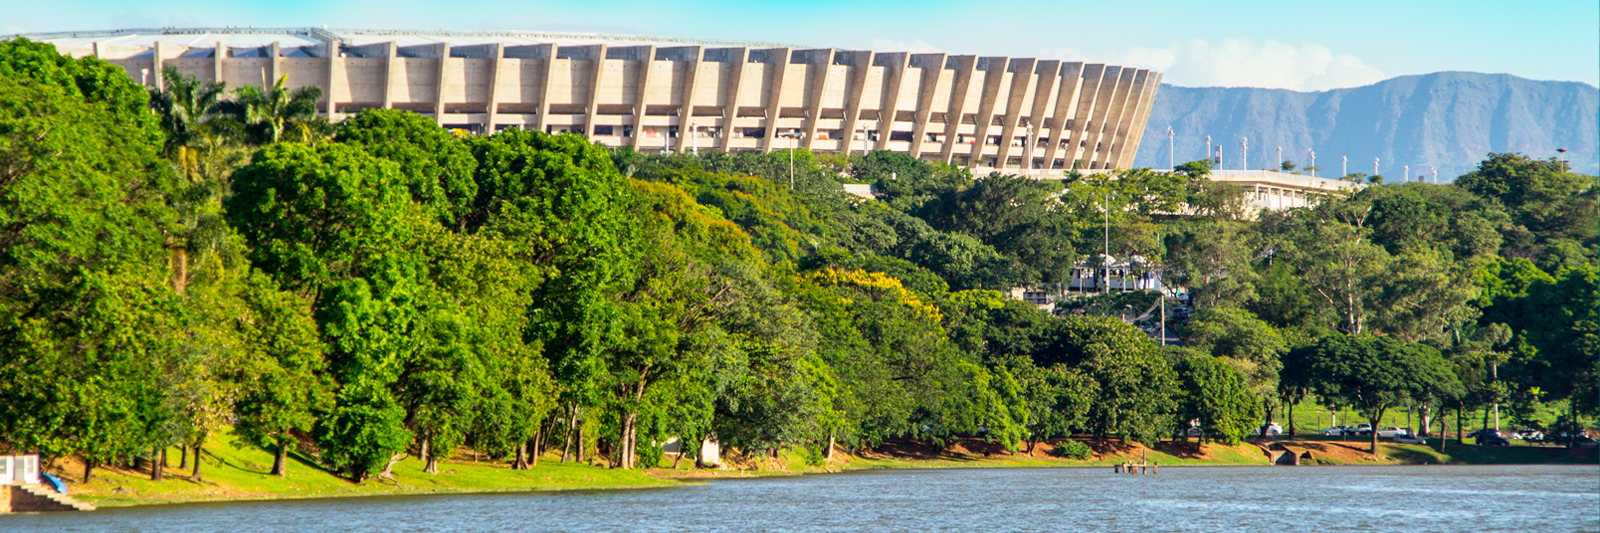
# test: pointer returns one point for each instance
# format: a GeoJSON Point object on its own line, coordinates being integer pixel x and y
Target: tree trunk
{"type": "Point", "coordinates": [88, 469]}
{"type": "Point", "coordinates": [582, 443]}
{"type": "Point", "coordinates": [388, 468]}
{"type": "Point", "coordinates": [1291, 418]}
{"type": "Point", "coordinates": [538, 446]}
{"type": "Point", "coordinates": [522, 457]}
{"type": "Point", "coordinates": [180, 270]}
{"type": "Point", "coordinates": [183, 456]}
{"type": "Point", "coordinates": [572, 429]}
{"type": "Point", "coordinates": [195, 474]}
{"type": "Point", "coordinates": [629, 421]}
{"type": "Point", "coordinates": [829, 455]}
{"type": "Point", "coordinates": [429, 462]}
{"type": "Point", "coordinates": [158, 463]}
{"type": "Point", "coordinates": [1427, 420]}
{"type": "Point", "coordinates": [280, 460]}
{"type": "Point", "coordinates": [1459, 407]}
{"type": "Point", "coordinates": [1374, 434]}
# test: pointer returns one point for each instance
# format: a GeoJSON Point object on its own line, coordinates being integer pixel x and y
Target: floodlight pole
{"type": "Point", "coordinates": [1435, 175]}
{"type": "Point", "coordinates": [1107, 258]}
{"type": "Point", "coordinates": [1344, 166]}
{"type": "Point", "coordinates": [1406, 178]}
{"type": "Point", "coordinates": [694, 137]}
{"type": "Point", "coordinates": [1244, 151]}
{"type": "Point", "coordinates": [1374, 166]}
{"type": "Point", "coordinates": [1313, 162]}
{"type": "Point", "coordinates": [1170, 157]}
{"type": "Point", "coordinates": [1208, 151]}
{"type": "Point", "coordinates": [1280, 158]}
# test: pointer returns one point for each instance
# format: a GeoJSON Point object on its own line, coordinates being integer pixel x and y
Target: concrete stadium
{"type": "Point", "coordinates": [651, 93]}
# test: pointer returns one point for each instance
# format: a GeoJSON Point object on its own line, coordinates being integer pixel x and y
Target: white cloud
{"type": "Point", "coordinates": [1243, 63]}
{"type": "Point", "coordinates": [918, 46]}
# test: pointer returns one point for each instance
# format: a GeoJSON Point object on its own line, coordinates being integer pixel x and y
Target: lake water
{"type": "Point", "coordinates": [1396, 498]}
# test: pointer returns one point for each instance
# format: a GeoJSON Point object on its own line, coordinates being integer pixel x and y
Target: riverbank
{"type": "Point", "coordinates": [232, 473]}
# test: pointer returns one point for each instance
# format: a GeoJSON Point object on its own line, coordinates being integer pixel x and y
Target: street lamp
{"type": "Point", "coordinates": [1244, 151]}
{"type": "Point", "coordinates": [1563, 156]}
{"type": "Point", "coordinates": [1208, 151]}
{"type": "Point", "coordinates": [1374, 166]}
{"type": "Point", "coordinates": [1028, 153]}
{"type": "Point", "coordinates": [694, 137]}
{"type": "Point", "coordinates": [1406, 178]}
{"type": "Point", "coordinates": [1435, 175]}
{"type": "Point", "coordinates": [1280, 157]}
{"type": "Point", "coordinates": [1170, 157]}
{"type": "Point", "coordinates": [1344, 166]}
{"type": "Point", "coordinates": [1313, 167]}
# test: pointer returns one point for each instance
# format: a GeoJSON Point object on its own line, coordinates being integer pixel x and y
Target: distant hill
{"type": "Point", "coordinates": [1448, 119]}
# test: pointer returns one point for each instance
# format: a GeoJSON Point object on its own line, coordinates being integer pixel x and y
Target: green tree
{"type": "Point", "coordinates": [1219, 397]}
{"type": "Point", "coordinates": [269, 114]}
{"type": "Point", "coordinates": [1374, 374]}
{"type": "Point", "coordinates": [1135, 383]}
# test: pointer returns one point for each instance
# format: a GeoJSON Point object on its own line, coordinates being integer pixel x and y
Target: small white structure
{"type": "Point", "coordinates": [19, 469]}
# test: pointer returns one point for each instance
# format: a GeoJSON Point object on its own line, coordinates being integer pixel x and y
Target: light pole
{"type": "Point", "coordinates": [1563, 156]}
{"type": "Point", "coordinates": [1208, 151]}
{"type": "Point", "coordinates": [1313, 167]}
{"type": "Point", "coordinates": [1280, 157]}
{"type": "Point", "coordinates": [1374, 166]}
{"type": "Point", "coordinates": [1435, 175]}
{"type": "Point", "coordinates": [1406, 178]}
{"type": "Point", "coordinates": [794, 141]}
{"type": "Point", "coordinates": [1107, 258]}
{"type": "Point", "coordinates": [1029, 152]}
{"type": "Point", "coordinates": [694, 137]}
{"type": "Point", "coordinates": [1170, 157]}
{"type": "Point", "coordinates": [1244, 154]}
{"type": "Point", "coordinates": [1344, 166]}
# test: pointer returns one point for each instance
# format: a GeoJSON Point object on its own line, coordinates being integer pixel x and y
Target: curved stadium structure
{"type": "Point", "coordinates": [674, 94]}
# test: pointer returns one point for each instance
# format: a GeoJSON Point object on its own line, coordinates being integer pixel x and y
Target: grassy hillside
{"type": "Point", "coordinates": [230, 472]}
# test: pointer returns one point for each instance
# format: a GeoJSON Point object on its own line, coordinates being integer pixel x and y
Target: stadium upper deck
{"type": "Point", "coordinates": [656, 93]}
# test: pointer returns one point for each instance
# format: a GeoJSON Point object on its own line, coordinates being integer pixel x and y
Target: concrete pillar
{"type": "Point", "coordinates": [390, 50]}
{"type": "Point", "coordinates": [1021, 83]}
{"type": "Point", "coordinates": [957, 110]}
{"type": "Point", "coordinates": [992, 78]}
{"type": "Point", "coordinates": [497, 54]}
{"type": "Point", "coordinates": [779, 74]}
{"type": "Point", "coordinates": [895, 74]}
{"type": "Point", "coordinates": [1110, 119]}
{"type": "Point", "coordinates": [438, 84]}
{"type": "Point", "coordinates": [1071, 77]}
{"type": "Point", "coordinates": [821, 71]}
{"type": "Point", "coordinates": [642, 95]}
{"type": "Point", "coordinates": [860, 67]}
{"type": "Point", "coordinates": [274, 68]}
{"type": "Point", "coordinates": [686, 100]}
{"type": "Point", "coordinates": [1125, 127]}
{"type": "Point", "coordinates": [1048, 71]}
{"type": "Point", "coordinates": [597, 55]}
{"type": "Point", "coordinates": [155, 66]}
{"type": "Point", "coordinates": [218, 55]}
{"type": "Point", "coordinates": [1152, 84]}
{"type": "Point", "coordinates": [1093, 119]}
{"type": "Point", "coordinates": [932, 68]}
{"type": "Point", "coordinates": [737, 57]}
{"type": "Point", "coordinates": [548, 51]}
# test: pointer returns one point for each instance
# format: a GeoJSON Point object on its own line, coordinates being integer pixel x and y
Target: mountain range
{"type": "Point", "coordinates": [1444, 120]}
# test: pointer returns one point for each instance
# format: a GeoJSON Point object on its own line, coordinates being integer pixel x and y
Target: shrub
{"type": "Point", "coordinates": [1075, 450]}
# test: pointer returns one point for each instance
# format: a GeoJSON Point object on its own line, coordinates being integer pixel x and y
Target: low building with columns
{"type": "Point", "coordinates": [651, 93]}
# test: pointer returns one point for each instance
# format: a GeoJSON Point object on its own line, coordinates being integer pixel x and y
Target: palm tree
{"type": "Point", "coordinates": [185, 105]}
{"type": "Point", "coordinates": [268, 114]}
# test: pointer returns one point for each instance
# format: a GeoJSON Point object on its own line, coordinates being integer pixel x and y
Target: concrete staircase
{"type": "Point", "coordinates": [34, 498]}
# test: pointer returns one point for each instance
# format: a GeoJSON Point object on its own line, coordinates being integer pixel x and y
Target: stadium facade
{"type": "Point", "coordinates": [671, 94]}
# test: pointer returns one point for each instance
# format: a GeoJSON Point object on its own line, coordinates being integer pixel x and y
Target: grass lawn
{"type": "Point", "coordinates": [231, 472]}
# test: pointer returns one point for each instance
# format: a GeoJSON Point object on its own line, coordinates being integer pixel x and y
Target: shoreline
{"type": "Point", "coordinates": [233, 474]}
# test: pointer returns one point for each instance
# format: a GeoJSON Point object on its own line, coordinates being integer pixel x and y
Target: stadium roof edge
{"type": "Point", "coordinates": [338, 35]}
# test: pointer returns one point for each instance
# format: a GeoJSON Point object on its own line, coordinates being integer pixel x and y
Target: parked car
{"type": "Point", "coordinates": [1361, 430]}
{"type": "Point", "coordinates": [1334, 431]}
{"type": "Point", "coordinates": [1490, 437]}
{"type": "Point", "coordinates": [1393, 431]}
{"type": "Point", "coordinates": [1527, 434]}
{"type": "Point", "coordinates": [1409, 439]}
{"type": "Point", "coordinates": [1270, 429]}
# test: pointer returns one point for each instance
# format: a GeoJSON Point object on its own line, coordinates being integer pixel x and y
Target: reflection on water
{"type": "Point", "coordinates": [1412, 499]}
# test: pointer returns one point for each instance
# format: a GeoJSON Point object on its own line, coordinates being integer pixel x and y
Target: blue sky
{"type": "Point", "coordinates": [1293, 45]}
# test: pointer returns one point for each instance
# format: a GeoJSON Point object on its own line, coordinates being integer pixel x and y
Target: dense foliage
{"type": "Point", "coordinates": [196, 260]}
